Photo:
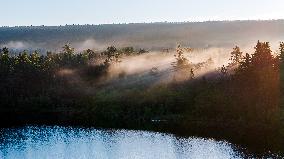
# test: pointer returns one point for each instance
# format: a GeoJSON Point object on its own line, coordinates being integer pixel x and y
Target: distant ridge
{"type": "Point", "coordinates": [161, 22]}
{"type": "Point", "coordinates": [147, 35]}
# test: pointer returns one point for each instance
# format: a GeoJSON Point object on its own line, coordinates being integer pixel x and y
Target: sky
{"type": "Point", "coordinates": [61, 12]}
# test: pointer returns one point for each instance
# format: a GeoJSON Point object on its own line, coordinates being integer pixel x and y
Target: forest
{"type": "Point", "coordinates": [145, 35]}
{"type": "Point", "coordinates": [241, 102]}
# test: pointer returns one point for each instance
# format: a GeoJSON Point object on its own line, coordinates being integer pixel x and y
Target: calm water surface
{"type": "Point", "coordinates": [79, 143]}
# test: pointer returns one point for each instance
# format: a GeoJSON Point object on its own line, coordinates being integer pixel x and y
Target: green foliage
{"type": "Point", "coordinates": [128, 50]}
{"type": "Point", "coordinates": [5, 62]}
{"type": "Point", "coordinates": [112, 55]}
{"type": "Point", "coordinates": [67, 49]}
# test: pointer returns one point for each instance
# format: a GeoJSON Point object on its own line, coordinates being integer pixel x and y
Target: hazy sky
{"type": "Point", "coordinates": [61, 12]}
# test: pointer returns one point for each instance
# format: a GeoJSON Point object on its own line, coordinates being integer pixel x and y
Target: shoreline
{"type": "Point", "coordinates": [15, 120]}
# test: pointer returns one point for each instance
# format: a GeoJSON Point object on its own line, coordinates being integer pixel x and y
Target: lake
{"type": "Point", "coordinates": [54, 142]}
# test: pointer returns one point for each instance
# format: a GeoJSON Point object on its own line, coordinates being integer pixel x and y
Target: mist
{"type": "Point", "coordinates": [153, 68]}
{"type": "Point", "coordinates": [151, 36]}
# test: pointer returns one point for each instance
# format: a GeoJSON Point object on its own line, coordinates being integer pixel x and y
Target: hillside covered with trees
{"type": "Point", "coordinates": [142, 35]}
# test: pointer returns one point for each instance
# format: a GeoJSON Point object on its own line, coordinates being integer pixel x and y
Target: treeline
{"type": "Point", "coordinates": [30, 81]}
{"type": "Point", "coordinates": [154, 35]}
{"type": "Point", "coordinates": [242, 105]}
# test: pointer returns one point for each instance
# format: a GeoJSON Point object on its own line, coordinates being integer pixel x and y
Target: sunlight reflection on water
{"type": "Point", "coordinates": [78, 143]}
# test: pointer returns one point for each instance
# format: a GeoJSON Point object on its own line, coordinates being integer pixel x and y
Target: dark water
{"type": "Point", "coordinates": [78, 143]}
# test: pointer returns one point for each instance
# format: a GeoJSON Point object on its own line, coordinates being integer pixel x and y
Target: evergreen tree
{"type": "Point", "coordinates": [5, 62]}
{"type": "Point", "coordinates": [112, 55]}
{"type": "Point", "coordinates": [35, 59]}
{"type": "Point", "coordinates": [262, 56]}
{"type": "Point", "coordinates": [128, 50]}
{"type": "Point", "coordinates": [181, 61]}
{"type": "Point", "coordinates": [23, 63]}
{"type": "Point", "coordinates": [67, 49]}
{"type": "Point", "coordinates": [245, 63]}
{"type": "Point", "coordinates": [236, 57]}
